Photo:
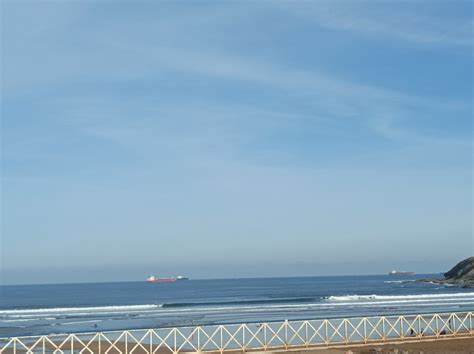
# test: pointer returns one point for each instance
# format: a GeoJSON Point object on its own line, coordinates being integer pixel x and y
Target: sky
{"type": "Point", "coordinates": [234, 139]}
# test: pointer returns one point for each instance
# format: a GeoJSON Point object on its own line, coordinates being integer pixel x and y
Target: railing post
{"type": "Point", "coordinates": [470, 324]}
{"type": "Point", "coordinates": [365, 329]}
{"type": "Point", "coordinates": [306, 341]}
{"type": "Point", "coordinates": [402, 332]}
{"type": "Point", "coordinates": [383, 329]}
{"type": "Point", "coordinates": [222, 339]}
{"type": "Point", "coordinates": [286, 334]}
{"type": "Point", "coordinates": [437, 326]}
{"type": "Point", "coordinates": [174, 341]}
{"type": "Point", "coordinates": [326, 335]}
{"type": "Point", "coordinates": [199, 339]}
{"type": "Point", "coordinates": [419, 327]}
{"type": "Point", "coordinates": [151, 340]}
{"type": "Point", "coordinates": [265, 343]}
{"type": "Point", "coordinates": [346, 339]}
{"type": "Point", "coordinates": [243, 337]}
{"type": "Point", "coordinates": [455, 330]}
{"type": "Point", "coordinates": [126, 342]}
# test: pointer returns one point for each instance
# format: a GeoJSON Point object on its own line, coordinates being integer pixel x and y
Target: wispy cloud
{"type": "Point", "coordinates": [144, 52]}
{"type": "Point", "coordinates": [406, 21]}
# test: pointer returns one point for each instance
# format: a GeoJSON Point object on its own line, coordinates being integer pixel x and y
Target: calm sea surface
{"type": "Point", "coordinates": [62, 308]}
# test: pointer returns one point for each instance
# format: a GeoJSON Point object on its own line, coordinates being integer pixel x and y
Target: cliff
{"type": "Point", "coordinates": [461, 274]}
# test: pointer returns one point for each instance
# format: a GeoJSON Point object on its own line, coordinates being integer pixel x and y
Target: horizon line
{"type": "Point", "coordinates": [205, 279]}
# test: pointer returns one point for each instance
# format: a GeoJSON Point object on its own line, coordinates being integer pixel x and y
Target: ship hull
{"type": "Point", "coordinates": [161, 281]}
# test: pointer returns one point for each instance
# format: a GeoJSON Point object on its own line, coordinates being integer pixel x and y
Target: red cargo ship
{"type": "Point", "coordinates": [153, 279]}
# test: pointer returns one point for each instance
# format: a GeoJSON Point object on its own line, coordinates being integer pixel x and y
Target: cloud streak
{"type": "Point", "coordinates": [403, 21]}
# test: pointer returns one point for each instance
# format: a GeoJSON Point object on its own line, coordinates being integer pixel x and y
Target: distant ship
{"type": "Point", "coordinates": [395, 272]}
{"type": "Point", "coordinates": [153, 279]}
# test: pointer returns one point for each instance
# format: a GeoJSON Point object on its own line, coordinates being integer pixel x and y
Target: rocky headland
{"type": "Point", "coordinates": [462, 274]}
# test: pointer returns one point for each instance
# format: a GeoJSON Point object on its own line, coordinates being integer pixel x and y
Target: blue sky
{"type": "Point", "coordinates": [234, 139]}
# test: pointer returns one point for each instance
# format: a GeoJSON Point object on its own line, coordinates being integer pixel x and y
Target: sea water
{"type": "Point", "coordinates": [65, 308]}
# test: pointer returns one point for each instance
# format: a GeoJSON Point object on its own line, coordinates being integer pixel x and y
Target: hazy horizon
{"type": "Point", "coordinates": [234, 139]}
{"type": "Point", "coordinates": [224, 278]}
{"type": "Point", "coordinates": [207, 272]}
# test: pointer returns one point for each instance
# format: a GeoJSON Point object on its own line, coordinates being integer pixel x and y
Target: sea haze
{"type": "Point", "coordinates": [63, 308]}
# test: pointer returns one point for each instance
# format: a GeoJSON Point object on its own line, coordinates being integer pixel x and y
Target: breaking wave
{"type": "Point", "coordinates": [79, 315]}
{"type": "Point", "coordinates": [145, 308]}
{"type": "Point", "coordinates": [67, 310]}
{"type": "Point", "coordinates": [241, 302]}
{"type": "Point", "coordinates": [407, 298]}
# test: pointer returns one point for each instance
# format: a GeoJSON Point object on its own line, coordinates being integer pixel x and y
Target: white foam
{"type": "Point", "coordinates": [362, 305]}
{"type": "Point", "coordinates": [68, 310]}
{"type": "Point", "coordinates": [399, 297]}
{"type": "Point", "coordinates": [79, 322]}
{"type": "Point", "coordinates": [18, 320]}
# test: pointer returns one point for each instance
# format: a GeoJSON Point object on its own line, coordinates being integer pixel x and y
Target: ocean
{"type": "Point", "coordinates": [66, 308]}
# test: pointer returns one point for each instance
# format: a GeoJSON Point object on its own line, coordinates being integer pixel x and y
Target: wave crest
{"type": "Point", "coordinates": [398, 297]}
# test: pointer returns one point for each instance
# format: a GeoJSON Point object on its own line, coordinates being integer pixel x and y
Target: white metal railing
{"type": "Point", "coordinates": [250, 336]}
